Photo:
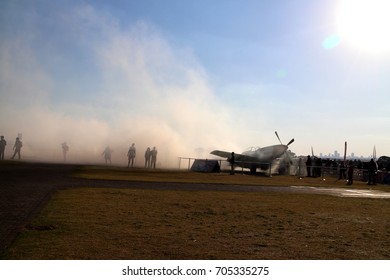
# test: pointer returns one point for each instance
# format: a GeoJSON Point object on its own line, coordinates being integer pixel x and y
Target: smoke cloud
{"type": "Point", "coordinates": [99, 84]}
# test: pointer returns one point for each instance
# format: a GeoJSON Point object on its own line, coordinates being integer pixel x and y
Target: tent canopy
{"type": "Point", "coordinates": [204, 165]}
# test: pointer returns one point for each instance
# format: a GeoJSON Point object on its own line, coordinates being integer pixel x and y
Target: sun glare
{"type": "Point", "coordinates": [365, 24]}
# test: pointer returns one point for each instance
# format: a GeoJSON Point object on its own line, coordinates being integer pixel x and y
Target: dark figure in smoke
{"type": "Point", "coordinates": [372, 169]}
{"type": "Point", "coordinates": [17, 147]}
{"type": "Point", "coordinates": [3, 143]}
{"type": "Point", "coordinates": [65, 149]}
{"type": "Point", "coordinates": [148, 154]}
{"type": "Point", "coordinates": [350, 173]}
{"type": "Point", "coordinates": [154, 157]}
{"type": "Point", "coordinates": [232, 161]}
{"type": "Point", "coordinates": [308, 166]}
{"type": "Point", "coordinates": [107, 154]}
{"type": "Point", "coordinates": [131, 155]}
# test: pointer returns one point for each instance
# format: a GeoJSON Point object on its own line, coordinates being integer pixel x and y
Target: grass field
{"type": "Point", "coordinates": [112, 223]}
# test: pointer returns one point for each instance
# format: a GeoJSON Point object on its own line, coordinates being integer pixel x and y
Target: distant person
{"type": "Point", "coordinates": [153, 154]}
{"type": "Point", "coordinates": [232, 161]}
{"type": "Point", "coordinates": [148, 154]}
{"type": "Point", "coordinates": [3, 143]}
{"type": "Point", "coordinates": [342, 171]}
{"type": "Point", "coordinates": [131, 155]}
{"type": "Point", "coordinates": [318, 167]}
{"type": "Point", "coordinates": [372, 169]}
{"type": "Point", "coordinates": [65, 149]}
{"type": "Point", "coordinates": [17, 147]}
{"type": "Point", "coordinates": [308, 166]}
{"type": "Point", "coordinates": [350, 173]}
{"type": "Point", "coordinates": [107, 154]}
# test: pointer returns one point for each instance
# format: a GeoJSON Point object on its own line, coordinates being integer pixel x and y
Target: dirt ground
{"type": "Point", "coordinates": [26, 187]}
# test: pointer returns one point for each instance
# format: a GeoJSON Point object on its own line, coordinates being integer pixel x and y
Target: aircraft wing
{"type": "Point", "coordinates": [238, 157]}
{"type": "Point", "coordinates": [221, 153]}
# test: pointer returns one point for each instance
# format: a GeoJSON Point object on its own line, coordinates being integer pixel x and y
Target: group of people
{"type": "Point", "coordinates": [372, 169]}
{"type": "Point", "coordinates": [17, 147]}
{"type": "Point", "coordinates": [150, 156]}
{"type": "Point", "coordinates": [348, 167]}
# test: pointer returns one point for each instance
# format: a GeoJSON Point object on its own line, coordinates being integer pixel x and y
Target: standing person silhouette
{"type": "Point", "coordinates": [107, 154]}
{"type": "Point", "coordinates": [65, 149]}
{"type": "Point", "coordinates": [342, 170]}
{"type": "Point", "coordinates": [17, 147]}
{"type": "Point", "coordinates": [308, 166]}
{"type": "Point", "coordinates": [131, 155]}
{"type": "Point", "coordinates": [148, 154]}
{"type": "Point", "coordinates": [154, 157]}
{"type": "Point", "coordinates": [372, 169]}
{"type": "Point", "coordinates": [3, 143]}
{"type": "Point", "coordinates": [350, 173]}
{"type": "Point", "coordinates": [232, 161]}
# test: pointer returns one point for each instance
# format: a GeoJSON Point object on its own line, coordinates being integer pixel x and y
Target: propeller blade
{"type": "Point", "coordinates": [278, 137]}
{"type": "Point", "coordinates": [292, 140]}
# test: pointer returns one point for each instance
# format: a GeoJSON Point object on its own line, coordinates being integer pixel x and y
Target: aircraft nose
{"type": "Point", "coordinates": [280, 150]}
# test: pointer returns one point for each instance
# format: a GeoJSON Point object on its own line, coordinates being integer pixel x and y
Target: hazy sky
{"type": "Point", "coordinates": [190, 76]}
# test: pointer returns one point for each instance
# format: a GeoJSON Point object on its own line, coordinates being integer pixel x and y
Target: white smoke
{"type": "Point", "coordinates": [140, 90]}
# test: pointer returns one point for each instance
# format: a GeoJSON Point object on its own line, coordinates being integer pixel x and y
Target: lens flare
{"type": "Point", "coordinates": [331, 42]}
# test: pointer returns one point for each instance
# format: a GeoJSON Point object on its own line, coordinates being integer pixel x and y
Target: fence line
{"type": "Point", "coordinates": [359, 174]}
{"type": "Point", "coordinates": [321, 172]}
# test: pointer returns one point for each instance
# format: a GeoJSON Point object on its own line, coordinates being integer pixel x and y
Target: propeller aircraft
{"type": "Point", "coordinates": [257, 157]}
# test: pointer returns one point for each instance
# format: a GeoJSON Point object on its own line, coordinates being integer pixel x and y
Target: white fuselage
{"type": "Point", "coordinates": [267, 154]}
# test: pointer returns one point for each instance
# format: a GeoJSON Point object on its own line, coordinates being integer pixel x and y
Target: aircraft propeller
{"type": "Point", "coordinates": [292, 140]}
{"type": "Point", "coordinates": [278, 137]}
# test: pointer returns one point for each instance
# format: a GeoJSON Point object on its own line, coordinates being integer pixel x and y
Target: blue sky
{"type": "Point", "coordinates": [184, 75]}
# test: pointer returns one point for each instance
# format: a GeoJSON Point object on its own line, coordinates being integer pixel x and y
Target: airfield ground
{"type": "Point", "coordinates": [55, 211]}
